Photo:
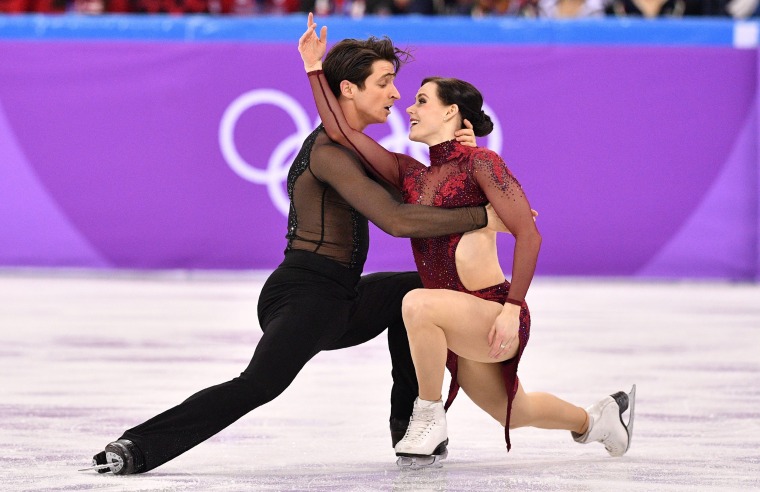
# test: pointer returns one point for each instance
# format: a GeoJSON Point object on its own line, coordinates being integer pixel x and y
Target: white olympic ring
{"type": "Point", "coordinates": [279, 162]}
{"type": "Point", "coordinates": [278, 165]}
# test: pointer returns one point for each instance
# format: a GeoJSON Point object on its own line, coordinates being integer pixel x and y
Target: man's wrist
{"type": "Point", "coordinates": [313, 67]}
{"type": "Point", "coordinates": [483, 218]}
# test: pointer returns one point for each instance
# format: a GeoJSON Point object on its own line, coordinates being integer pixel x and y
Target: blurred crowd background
{"type": "Point", "coordinates": [565, 9]}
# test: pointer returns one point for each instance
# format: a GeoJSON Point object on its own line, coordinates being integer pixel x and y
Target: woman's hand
{"type": "Point", "coordinates": [503, 336]}
{"type": "Point", "coordinates": [312, 47]}
{"type": "Point", "coordinates": [466, 136]}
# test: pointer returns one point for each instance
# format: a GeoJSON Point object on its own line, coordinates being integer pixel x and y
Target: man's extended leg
{"type": "Point", "coordinates": [296, 327]}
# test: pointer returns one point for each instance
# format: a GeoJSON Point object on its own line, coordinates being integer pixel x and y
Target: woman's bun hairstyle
{"type": "Point", "coordinates": [481, 124]}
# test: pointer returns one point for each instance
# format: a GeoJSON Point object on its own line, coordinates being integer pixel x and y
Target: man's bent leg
{"type": "Point", "coordinates": [379, 307]}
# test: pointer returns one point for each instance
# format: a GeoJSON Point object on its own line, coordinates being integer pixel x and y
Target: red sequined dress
{"type": "Point", "coordinates": [458, 176]}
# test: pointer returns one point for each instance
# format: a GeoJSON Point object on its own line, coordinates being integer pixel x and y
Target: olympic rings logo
{"type": "Point", "coordinates": [276, 170]}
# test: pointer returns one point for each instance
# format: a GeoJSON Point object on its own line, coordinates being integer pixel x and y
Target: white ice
{"type": "Point", "coordinates": [86, 355]}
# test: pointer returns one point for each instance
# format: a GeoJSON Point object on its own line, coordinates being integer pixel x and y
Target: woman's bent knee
{"type": "Point", "coordinates": [415, 307]}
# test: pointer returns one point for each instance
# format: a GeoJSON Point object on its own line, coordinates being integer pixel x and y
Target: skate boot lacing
{"type": "Point", "coordinates": [420, 425]}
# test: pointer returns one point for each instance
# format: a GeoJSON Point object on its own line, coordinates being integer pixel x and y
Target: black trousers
{"type": "Point", "coordinates": [307, 305]}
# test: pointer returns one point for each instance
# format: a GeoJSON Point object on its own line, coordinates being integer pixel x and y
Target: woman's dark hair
{"type": "Point", "coordinates": [352, 59]}
{"type": "Point", "coordinates": [468, 98]}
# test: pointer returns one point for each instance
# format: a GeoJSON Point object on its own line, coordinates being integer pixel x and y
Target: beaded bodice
{"type": "Point", "coordinates": [449, 182]}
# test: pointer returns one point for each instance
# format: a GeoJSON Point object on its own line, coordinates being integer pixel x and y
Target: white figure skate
{"type": "Point", "coordinates": [426, 438]}
{"type": "Point", "coordinates": [606, 423]}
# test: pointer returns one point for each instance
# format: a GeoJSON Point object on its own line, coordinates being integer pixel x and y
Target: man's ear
{"type": "Point", "coordinates": [347, 89]}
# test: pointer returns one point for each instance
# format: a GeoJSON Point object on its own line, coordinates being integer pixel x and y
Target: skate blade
{"type": "Point", "coordinates": [631, 407]}
{"type": "Point", "coordinates": [98, 467]}
{"type": "Point", "coordinates": [420, 462]}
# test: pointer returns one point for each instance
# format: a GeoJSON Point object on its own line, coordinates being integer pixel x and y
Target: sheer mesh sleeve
{"type": "Point", "coordinates": [375, 158]}
{"type": "Point", "coordinates": [510, 203]}
{"type": "Point", "coordinates": [337, 167]}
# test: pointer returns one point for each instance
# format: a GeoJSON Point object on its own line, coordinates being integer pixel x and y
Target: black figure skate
{"type": "Point", "coordinates": [120, 458]}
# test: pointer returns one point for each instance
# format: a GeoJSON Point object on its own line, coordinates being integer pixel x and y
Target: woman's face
{"type": "Point", "coordinates": [426, 116]}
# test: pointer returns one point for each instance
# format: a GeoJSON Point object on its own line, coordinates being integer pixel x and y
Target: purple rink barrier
{"type": "Point", "coordinates": [642, 160]}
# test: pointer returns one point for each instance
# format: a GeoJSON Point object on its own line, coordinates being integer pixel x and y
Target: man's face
{"type": "Point", "coordinates": [374, 102]}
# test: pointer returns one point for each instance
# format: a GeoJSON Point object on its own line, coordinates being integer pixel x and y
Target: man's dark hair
{"type": "Point", "coordinates": [352, 59]}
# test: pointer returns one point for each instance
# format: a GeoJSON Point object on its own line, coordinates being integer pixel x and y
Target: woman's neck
{"type": "Point", "coordinates": [439, 139]}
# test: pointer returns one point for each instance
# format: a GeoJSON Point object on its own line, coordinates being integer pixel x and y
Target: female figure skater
{"type": "Point", "coordinates": [468, 317]}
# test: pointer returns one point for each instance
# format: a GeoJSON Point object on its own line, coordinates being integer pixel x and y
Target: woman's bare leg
{"type": "Point", "coordinates": [546, 411]}
{"type": "Point", "coordinates": [440, 319]}
{"type": "Point", "coordinates": [437, 319]}
{"type": "Point", "coordinates": [483, 383]}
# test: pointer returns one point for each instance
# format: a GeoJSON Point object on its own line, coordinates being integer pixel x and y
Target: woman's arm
{"type": "Point", "coordinates": [507, 197]}
{"type": "Point", "coordinates": [375, 158]}
{"type": "Point", "coordinates": [509, 201]}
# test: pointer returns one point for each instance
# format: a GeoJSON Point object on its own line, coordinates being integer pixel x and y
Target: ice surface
{"type": "Point", "coordinates": [84, 356]}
